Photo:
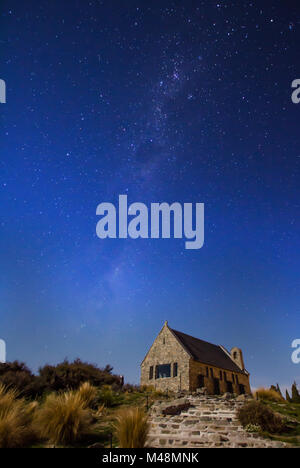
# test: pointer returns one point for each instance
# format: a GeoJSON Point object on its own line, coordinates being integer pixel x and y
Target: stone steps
{"type": "Point", "coordinates": [210, 422]}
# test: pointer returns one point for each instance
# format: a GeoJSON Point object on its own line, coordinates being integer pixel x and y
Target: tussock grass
{"type": "Point", "coordinates": [88, 394]}
{"type": "Point", "coordinates": [65, 418]}
{"type": "Point", "coordinates": [16, 418]}
{"type": "Point", "coordinates": [131, 428]}
{"type": "Point", "coordinates": [268, 395]}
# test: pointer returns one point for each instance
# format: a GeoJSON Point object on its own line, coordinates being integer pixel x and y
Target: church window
{"type": "Point", "coordinates": [163, 371]}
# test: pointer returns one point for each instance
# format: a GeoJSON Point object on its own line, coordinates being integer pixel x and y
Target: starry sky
{"type": "Point", "coordinates": [186, 101]}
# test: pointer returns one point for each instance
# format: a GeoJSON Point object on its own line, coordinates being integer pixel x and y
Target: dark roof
{"type": "Point", "coordinates": [207, 353]}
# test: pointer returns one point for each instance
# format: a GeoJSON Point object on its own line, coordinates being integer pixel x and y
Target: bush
{"type": "Point", "coordinates": [256, 413]}
{"type": "Point", "coordinates": [129, 388]}
{"type": "Point", "coordinates": [16, 417]}
{"type": "Point", "coordinates": [65, 418]}
{"type": "Point", "coordinates": [131, 428]}
{"type": "Point", "coordinates": [108, 398]}
{"type": "Point", "coordinates": [70, 375]}
{"type": "Point", "coordinates": [62, 377]}
{"type": "Point", "coordinates": [176, 410]}
{"type": "Point", "coordinates": [17, 375]}
{"type": "Point", "coordinates": [268, 395]}
{"type": "Point", "coordinates": [252, 428]}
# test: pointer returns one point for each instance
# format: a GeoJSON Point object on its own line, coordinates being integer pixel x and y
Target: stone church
{"type": "Point", "coordinates": [180, 362]}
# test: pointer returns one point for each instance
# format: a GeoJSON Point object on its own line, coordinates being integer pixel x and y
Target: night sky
{"type": "Point", "coordinates": [164, 101]}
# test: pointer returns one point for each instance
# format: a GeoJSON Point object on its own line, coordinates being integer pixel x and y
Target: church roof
{"type": "Point", "coordinates": [207, 353]}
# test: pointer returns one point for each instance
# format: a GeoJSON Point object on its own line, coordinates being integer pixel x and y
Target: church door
{"type": "Point", "coordinates": [200, 381]}
{"type": "Point", "coordinates": [216, 387]}
{"type": "Point", "coordinates": [229, 387]}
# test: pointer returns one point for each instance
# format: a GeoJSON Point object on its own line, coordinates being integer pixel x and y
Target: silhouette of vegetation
{"type": "Point", "coordinates": [295, 394]}
{"type": "Point", "coordinates": [61, 377]}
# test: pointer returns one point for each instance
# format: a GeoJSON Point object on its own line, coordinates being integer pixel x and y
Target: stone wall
{"type": "Point", "coordinates": [210, 422]}
{"type": "Point", "coordinates": [197, 368]}
{"type": "Point", "coordinates": [166, 350]}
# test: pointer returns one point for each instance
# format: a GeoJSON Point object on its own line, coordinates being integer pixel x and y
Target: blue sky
{"type": "Point", "coordinates": [174, 102]}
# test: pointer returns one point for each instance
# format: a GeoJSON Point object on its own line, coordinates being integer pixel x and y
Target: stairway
{"type": "Point", "coordinates": [211, 422]}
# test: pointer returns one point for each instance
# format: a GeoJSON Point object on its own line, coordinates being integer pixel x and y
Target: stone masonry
{"type": "Point", "coordinates": [211, 422]}
{"type": "Point", "coordinates": [178, 362]}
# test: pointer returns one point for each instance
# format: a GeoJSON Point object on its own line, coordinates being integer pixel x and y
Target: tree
{"type": "Point", "coordinates": [295, 394]}
{"type": "Point", "coordinates": [278, 390]}
{"type": "Point", "coordinates": [287, 396]}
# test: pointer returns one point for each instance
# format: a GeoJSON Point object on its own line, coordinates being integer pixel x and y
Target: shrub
{"type": "Point", "coordinates": [131, 428]}
{"type": "Point", "coordinates": [108, 398]}
{"type": "Point", "coordinates": [258, 414]}
{"type": "Point", "coordinates": [129, 388]}
{"type": "Point", "coordinates": [17, 375]}
{"type": "Point", "coordinates": [253, 428]}
{"type": "Point", "coordinates": [176, 410]}
{"type": "Point", "coordinates": [16, 417]}
{"type": "Point", "coordinates": [64, 418]}
{"type": "Point", "coordinates": [268, 395]}
{"type": "Point", "coordinates": [70, 375]}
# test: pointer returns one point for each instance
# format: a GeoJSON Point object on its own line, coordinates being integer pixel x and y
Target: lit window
{"type": "Point", "coordinates": [163, 371]}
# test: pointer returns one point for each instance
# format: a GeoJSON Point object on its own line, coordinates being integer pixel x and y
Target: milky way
{"type": "Point", "coordinates": [162, 101]}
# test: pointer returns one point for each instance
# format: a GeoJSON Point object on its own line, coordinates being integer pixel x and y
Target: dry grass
{"type": "Point", "coordinates": [88, 394]}
{"type": "Point", "coordinates": [16, 417]}
{"type": "Point", "coordinates": [64, 418]}
{"type": "Point", "coordinates": [268, 395]}
{"type": "Point", "coordinates": [131, 428]}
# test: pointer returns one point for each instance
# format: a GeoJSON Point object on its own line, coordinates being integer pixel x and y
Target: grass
{"type": "Point", "coordinates": [77, 418]}
{"type": "Point", "coordinates": [88, 395]}
{"type": "Point", "coordinates": [131, 428]}
{"type": "Point", "coordinates": [268, 395]}
{"type": "Point", "coordinates": [16, 417]}
{"type": "Point", "coordinates": [65, 418]}
{"type": "Point", "coordinates": [291, 413]}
